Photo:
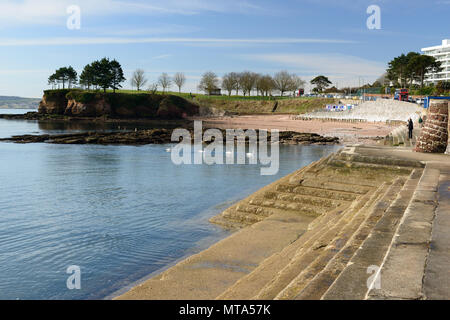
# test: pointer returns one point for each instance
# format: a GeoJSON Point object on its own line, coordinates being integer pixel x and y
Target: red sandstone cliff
{"type": "Point", "coordinates": [91, 104]}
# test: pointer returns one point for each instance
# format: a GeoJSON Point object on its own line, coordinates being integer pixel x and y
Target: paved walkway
{"type": "Point", "coordinates": [437, 277]}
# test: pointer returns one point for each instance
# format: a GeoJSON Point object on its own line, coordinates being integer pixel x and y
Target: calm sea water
{"type": "Point", "coordinates": [121, 213]}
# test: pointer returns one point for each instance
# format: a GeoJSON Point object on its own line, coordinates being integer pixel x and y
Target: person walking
{"type": "Point", "coordinates": [420, 121]}
{"type": "Point", "coordinates": [410, 128]}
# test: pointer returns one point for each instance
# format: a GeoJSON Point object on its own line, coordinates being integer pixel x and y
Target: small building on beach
{"type": "Point", "coordinates": [215, 92]}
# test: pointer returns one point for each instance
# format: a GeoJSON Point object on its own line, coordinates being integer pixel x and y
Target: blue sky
{"type": "Point", "coordinates": [306, 37]}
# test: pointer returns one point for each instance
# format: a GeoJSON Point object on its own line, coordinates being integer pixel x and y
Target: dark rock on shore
{"type": "Point", "coordinates": [30, 116]}
{"type": "Point", "coordinates": [291, 137]}
{"type": "Point", "coordinates": [153, 136]}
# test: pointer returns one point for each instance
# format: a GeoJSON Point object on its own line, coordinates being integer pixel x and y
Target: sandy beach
{"type": "Point", "coordinates": [347, 132]}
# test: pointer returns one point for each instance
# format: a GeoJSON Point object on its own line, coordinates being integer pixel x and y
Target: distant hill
{"type": "Point", "coordinates": [18, 103]}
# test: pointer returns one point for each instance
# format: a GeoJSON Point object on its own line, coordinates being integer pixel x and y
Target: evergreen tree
{"type": "Point", "coordinates": [87, 77]}
{"type": "Point", "coordinates": [321, 83]}
{"type": "Point", "coordinates": [64, 75]}
{"type": "Point", "coordinates": [116, 75]}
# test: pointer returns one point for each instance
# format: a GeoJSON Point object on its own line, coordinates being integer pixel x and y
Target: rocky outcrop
{"type": "Point", "coordinates": [53, 104]}
{"type": "Point", "coordinates": [78, 103]}
{"type": "Point", "coordinates": [434, 135]}
{"type": "Point", "coordinates": [174, 107]}
{"type": "Point", "coordinates": [151, 136]}
{"type": "Point", "coordinates": [212, 112]}
{"type": "Point", "coordinates": [93, 109]}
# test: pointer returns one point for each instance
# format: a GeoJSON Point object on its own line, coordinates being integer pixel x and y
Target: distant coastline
{"type": "Point", "coordinates": [16, 108]}
{"type": "Point", "coordinates": [10, 102]}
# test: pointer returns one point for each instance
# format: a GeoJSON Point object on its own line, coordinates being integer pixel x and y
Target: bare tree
{"type": "Point", "coordinates": [247, 81]}
{"type": "Point", "coordinates": [165, 81]}
{"type": "Point", "coordinates": [258, 84]}
{"type": "Point", "coordinates": [153, 88]}
{"type": "Point", "coordinates": [209, 82]}
{"type": "Point", "coordinates": [237, 77]}
{"type": "Point", "coordinates": [283, 81]}
{"type": "Point", "coordinates": [297, 83]}
{"type": "Point", "coordinates": [265, 84]}
{"type": "Point", "coordinates": [138, 79]}
{"type": "Point", "coordinates": [230, 82]}
{"type": "Point", "coordinates": [179, 80]}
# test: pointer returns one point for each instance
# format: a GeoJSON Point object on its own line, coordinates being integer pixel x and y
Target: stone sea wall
{"type": "Point", "coordinates": [448, 132]}
{"type": "Point", "coordinates": [434, 135]}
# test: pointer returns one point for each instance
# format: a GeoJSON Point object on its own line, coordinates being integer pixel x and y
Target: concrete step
{"type": "Point", "coordinates": [246, 218]}
{"type": "Point", "coordinates": [294, 206]}
{"type": "Point", "coordinates": [308, 251]}
{"type": "Point", "coordinates": [229, 224]}
{"type": "Point", "coordinates": [335, 186]}
{"type": "Point", "coordinates": [317, 286]}
{"type": "Point", "coordinates": [340, 244]}
{"type": "Point", "coordinates": [390, 161]}
{"type": "Point", "coordinates": [399, 137]}
{"type": "Point", "coordinates": [410, 246]}
{"type": "Point", "coordinates": [363, 165]}
{"type": "Point", "coordinates": [260, 212]}
{"type": "Point", "coordinates": [436, 282]}
{"type": "Point", "coordinates": [352, 282]}
{"type": "Point", "coordinates": [249, 286]}
{"type": "Point", "coordinates": [311, 200]}
{"type": "Point", "coordinates": [317, 192]}
{"type": "Point", "coordinates": [243, 214]}
{"type": "Point", "coordinates": [252, 209]}
{"type": "Point", "coordinates": [338, 175]}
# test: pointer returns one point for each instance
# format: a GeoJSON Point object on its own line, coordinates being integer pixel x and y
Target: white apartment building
{"type": "Point", "coordinates": [442, 54]}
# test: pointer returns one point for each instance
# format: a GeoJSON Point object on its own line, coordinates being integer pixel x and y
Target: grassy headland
{"type": "Point", "coordinates": [129, 103]}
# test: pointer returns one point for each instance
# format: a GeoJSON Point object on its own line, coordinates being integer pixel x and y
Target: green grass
{"type": "Point", "coordinates": [234, 104]}
{"type": "Point", "coordinates": [252, 104]}
{"type": "Point", "coordinates": [207, 97]}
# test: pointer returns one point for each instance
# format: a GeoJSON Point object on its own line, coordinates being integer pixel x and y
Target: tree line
{"type": "Point", "coordinates": [139, 80]}
{"type": "Point", "coordinates": [108, 74]}
{"type": "Point", "coordinates": [247, 82]}
{"type": "Point", "coordinates": [407, 69]}
{"type": "Point", "coordinates": [104, 74]}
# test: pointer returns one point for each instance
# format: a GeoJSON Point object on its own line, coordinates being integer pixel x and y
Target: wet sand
{"type": "Point", "coordinates": [347, 132]}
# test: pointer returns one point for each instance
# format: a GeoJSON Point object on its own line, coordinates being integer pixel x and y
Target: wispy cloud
{"type": "Point", "coordinates": [31, 12]}
{"type": "Point", "coordinates": [22, 71]}
{"type": "Point", "coordinates": [121, 31]}
{"type": "Point", "coordinates": [331, 63]}
{"type": "Point", "coordinates": [162, 56]}
{"type": "Point", "coordinates": [61, 41]}
{"type": "Point", "coordinates": [342, 68]}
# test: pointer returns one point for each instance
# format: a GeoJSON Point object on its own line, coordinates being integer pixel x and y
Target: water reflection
{"type": "Point", "coordinates": [82, 126]}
